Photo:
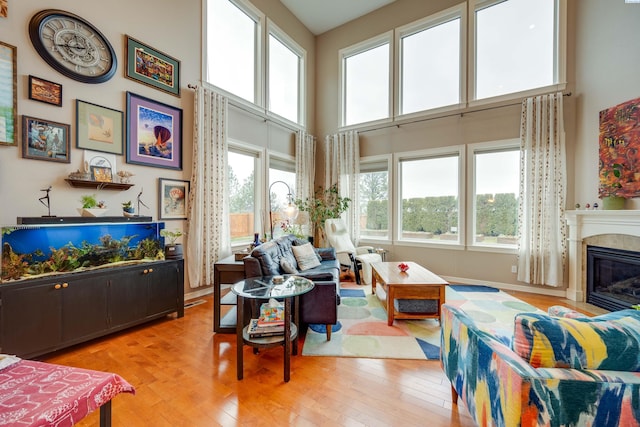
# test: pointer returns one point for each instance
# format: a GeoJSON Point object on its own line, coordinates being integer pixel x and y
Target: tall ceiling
{"type": "Point", "coordinates": [323, 15]}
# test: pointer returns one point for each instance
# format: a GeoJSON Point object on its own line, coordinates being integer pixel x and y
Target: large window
{"type": "Point", "coordinates": [430, 63]}
{"type": "Point", "coordinates": [496, 174]}
{"type": "Point", "coordinates": [374, 199]}
{"type": "Point", "coordinates": [430, 196]}
{"type": "Point", "coordinates": [366, 81]}
{"type": "Point", "coordinates": [282, 182]}
{"type": "Point", "coordinates": [243, 183]}
{"type": "Point", "coordinates": [232, 40]}
{"type": "Point", "coordinates": [285, 72]}
{"type": "Point", "coordinates": [515, 46]}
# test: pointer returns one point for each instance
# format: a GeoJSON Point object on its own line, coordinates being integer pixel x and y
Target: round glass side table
{"type": "Point", "coordinates": [264, 288]}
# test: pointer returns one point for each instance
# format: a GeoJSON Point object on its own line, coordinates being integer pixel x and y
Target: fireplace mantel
{"type": "Point", "coordinates": [583, 224]}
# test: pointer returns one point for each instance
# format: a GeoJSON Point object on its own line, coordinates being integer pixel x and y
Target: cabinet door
{"type": "Point", "coordinates": [31, 318]}
{"type": "Point", "coordinates": [127, 296]}
{"type": "Point", "coordinates": [84, 308]}
{"type": "Point", "coordinates": [163, 288]}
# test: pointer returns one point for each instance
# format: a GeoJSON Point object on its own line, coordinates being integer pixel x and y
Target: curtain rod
{"type": "Point", "coordinates": [255, 113]}
{"type": "Point", "coordinates": [426, 119]}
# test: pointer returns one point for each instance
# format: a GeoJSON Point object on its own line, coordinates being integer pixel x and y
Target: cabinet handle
{"type": "Point", "coordinates": [65, 285]}
{"type": "Point", "coordinates": [57, 286]}
{"type": "Point", "coordinates": [145, 271]}
{"type": "Point", "coordinates": [151, 270]}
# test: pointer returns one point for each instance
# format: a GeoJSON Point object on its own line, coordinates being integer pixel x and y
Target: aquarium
{"type": "Point", "coordinates": [35, 250]}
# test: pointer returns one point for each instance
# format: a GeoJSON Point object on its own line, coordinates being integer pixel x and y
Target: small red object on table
{"type": "Point", "coordinates": [403, 267]}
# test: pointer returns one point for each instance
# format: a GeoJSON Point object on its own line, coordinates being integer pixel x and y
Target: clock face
{"type": "Point", "coordinates": [72, 46]}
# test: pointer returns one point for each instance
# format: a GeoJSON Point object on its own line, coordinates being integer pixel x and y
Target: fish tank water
{"type": "Point", "coordinates": [30, 251]}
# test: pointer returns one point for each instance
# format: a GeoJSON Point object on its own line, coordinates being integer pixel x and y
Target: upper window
{"type": "Point", "coordinates": [232, 48]}
{"type": "Point", "coordinates": [242, 195]}
{"type": "Point", "coordinates": [430, 196]}
{"type": "Point", "coordinates": [374, 199]}
{"type": "Point", "coordinates": [366, 81]}
{"type": "Point", "coordinates": [430, 58]}
{"type": "Point", "coordinates": [496, 177]}
{"type": "Point", "coordinates": [282, 181]}
{"type": "Point", "coordinates": [285, 72]}
{"type": "Point", "coordinates": [515, 46]}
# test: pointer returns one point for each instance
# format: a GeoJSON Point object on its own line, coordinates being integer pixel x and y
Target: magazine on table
{"type": "Point", "coordinates": [257, 331]}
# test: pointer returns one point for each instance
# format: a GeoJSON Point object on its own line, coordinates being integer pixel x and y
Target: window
{"type": "Point", "coordinates": [285, 72]}
{"type": "Point", "coordinates": [374, 199]}
{"type": "Point", "coordinates": [430, 58]}
{"type": "Point", "coordinates": [516, 46]}
{"type": "Point", "coordinates": [429, 196]}
{"type": "Point", "coordinates": [242, 190]}
{"type": "Point", "coordinates": [496, 175]}
{"type": "Point", "coordinates": [366, 82]}
{"type": "Point", "coordinates": [232, 47]}
{"type": "Point", "coordinates": [282, 184]}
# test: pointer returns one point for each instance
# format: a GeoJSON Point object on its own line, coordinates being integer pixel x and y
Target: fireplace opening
{"type": "Point", "coordinates": [613, 278]}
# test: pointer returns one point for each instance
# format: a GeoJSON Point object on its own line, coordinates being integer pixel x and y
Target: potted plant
{"type": "Point", "coordinates": [127, 208]}
{"type": "Point", "coordinates": [172, 250]}
{"type": "Point", "coordinates": [325, 203]}
{"type": "Point", "coordinates": [610, 186]}
{"type": "Point", "coordinates": [91, 206]}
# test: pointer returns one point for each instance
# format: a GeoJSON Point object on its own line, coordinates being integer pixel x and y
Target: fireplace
{"type": "Point", "coordinates": [613, 278]}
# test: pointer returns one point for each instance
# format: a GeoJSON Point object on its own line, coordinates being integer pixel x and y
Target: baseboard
{"type": "Point", "coordinates": [198, 293]}
{"type": "Point", "coordinates": [509, 286]}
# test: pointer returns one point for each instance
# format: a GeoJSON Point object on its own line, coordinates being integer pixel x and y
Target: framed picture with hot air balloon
{"type": "Point", "coordinates": [98, 128]}
{"type": "Point", "coordinates": [154, 133]}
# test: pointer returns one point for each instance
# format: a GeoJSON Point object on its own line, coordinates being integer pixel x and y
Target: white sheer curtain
{"type": "Point", "coordinates": [305, 164]}
{"type": "Point", "coordinates": [342, 166]}
{"type": "Point", "coordinates": [209, 202]}
{"type": "Point", "coordinates": [542, 245]}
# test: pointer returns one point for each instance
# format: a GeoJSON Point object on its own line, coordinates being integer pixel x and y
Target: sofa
{"type": "Point", "coordinates": [278, 256]}
{"type": "Point", "coordinates": [559, 368]}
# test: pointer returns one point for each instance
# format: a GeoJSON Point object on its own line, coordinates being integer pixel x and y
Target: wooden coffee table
{"type": "Point", "coordinates": [417, 283]}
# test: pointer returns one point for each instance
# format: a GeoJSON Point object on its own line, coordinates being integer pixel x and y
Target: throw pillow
{"type": "Point", "coordinates": [607, 342]}
{"type": "Point", "coordinates": [287, 267]}
{"type": "Point", "coordinates": [306, 256]}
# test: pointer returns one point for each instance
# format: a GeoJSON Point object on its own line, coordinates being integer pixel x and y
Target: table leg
{"type": "Point", "coordinates": [390, 305]}
{"type": "Point", "coordinates": [296, 320]}
{"type": "Point", "coordinates": [105, 415]}
{"type": "Point", "coordinates": [287, 338]}
{"type": "Point", "coordinates": [239, 339]}
{"type": "Point", "coordinates": [373, 281]}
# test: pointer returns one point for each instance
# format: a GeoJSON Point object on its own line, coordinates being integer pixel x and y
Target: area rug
{"type": "Point", "coordinates": [362, 329]}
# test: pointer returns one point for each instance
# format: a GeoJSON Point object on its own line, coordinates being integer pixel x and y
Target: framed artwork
{"type": "Point", "coordinates": [101, 166]}
{"type": "Point", "coordinates": [173, 199]}
{"type": "Point", "coordinates": [4, 8]}
{"type": "Point", "coordinates": [98, 128]}
{"type": "Point", "coordinates": [45, 91]}
{"type": "Point", "coordinates": [45, 140]}
{"type": "Point", "coordinates": [154, 133]}
{"type": "Point", "coordinates": [152, 67]}
{"type": "Point", "coordinates": [101, 174]}
{"type": "Point", "coordinates": [8, 95]}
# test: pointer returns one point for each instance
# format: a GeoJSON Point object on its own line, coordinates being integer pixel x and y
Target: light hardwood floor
{"type": "Point", "coordinates": [185, 375]}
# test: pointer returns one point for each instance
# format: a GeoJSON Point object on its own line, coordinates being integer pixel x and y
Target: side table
{"type": "Point", "coordinates": [225, 271]}
{"type": "Point", "coordinates": [263, 288]}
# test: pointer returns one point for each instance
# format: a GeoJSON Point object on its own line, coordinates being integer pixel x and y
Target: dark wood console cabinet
{"type": "Point", "coordinates": [38, 316]}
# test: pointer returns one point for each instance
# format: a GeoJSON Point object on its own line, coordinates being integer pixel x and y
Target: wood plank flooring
{"type": "Point", "coordinates": [185, 375]}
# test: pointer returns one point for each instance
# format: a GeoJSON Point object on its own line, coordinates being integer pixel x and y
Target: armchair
{"type": "Point", "coordinates": [357, 258]}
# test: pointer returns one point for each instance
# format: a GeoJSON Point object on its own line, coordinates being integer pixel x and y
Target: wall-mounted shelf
{"type": "Point", "coordinates": [98, 185]}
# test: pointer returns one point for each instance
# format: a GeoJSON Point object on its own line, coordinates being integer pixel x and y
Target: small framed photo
{"type": "Point", "coordinates": [173, 199]}
{"type": "Point", "coordinates": [154, 133]}
{"type": "Point", "coordinates": [45, 140]}
{"type": "Point", "coordinates": [152, 67]}
{"type": "Point", "coordinates": [98, 128]}
{"type": "Point", "coordinates": [45, 91]}
{"type": "Point", "coordinates": [101, 174]}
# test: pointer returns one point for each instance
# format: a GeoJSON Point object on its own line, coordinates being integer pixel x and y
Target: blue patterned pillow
{"type": "Point", "coordinates": [607, 342]}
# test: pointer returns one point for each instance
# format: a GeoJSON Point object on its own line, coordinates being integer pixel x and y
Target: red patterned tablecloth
{"type": "Point", "coordinates": [43, 394]}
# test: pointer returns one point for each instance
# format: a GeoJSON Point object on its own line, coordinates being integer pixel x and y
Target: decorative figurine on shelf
{"type": "Point", "coordinates": [577, 205]}
{"type": "Point", "coordinates": [587, 206]}
{"type": "Point", "coordinates": [45, 200]}
{"type": "Point", "coordinates": [125, 176]}
{"type": "Point", "coordinates": [140, 202]}
{"type": "Point", "coordinates": [595, 206]}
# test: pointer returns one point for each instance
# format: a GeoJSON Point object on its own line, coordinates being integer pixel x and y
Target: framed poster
{"type": "Point", "coordinates": [173, 196]}
{"type": "Point", "coordinates": [45, 140]}
{"type": "Point", "coordinates": [154, 133]}
{"type": "Point", "coordinates": [4, 8]}
{"type": "Point", "coordinates": [8, 94]}
{"type": "Point", "coordinates": [45, 91]}
{"type": "Point", "coordinates": [98, 128]}
{"type": "Point", "coordinates": [152, 67]}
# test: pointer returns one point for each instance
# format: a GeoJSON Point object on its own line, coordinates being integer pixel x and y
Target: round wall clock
{"type": "Point", "coordinates": [72, 46]}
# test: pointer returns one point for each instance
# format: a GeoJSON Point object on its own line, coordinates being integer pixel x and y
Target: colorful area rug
{"type": "Point", "coordinates": [362, 329]}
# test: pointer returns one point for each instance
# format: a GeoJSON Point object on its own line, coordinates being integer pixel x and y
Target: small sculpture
{"type": "Point", "coordinates": [125, 176]}
{"type": "Point", "coordinates": [140, 202]}
{"type": "Point", "coordinates": [46, 201]}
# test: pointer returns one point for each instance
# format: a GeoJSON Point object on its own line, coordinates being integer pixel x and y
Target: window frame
{"type": "Point", "coordinates": [472, 149]}
{"type": "Point", "coordinates": [273, 159]}
{"type": "Point", "coordinates": [351, 51]}
{"type": "Point", "coordinates": [398, 158]}
{"type": "Point", "coordinates": [388, 159]}
{"type": "Point", "coordinates": [426, 23]}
